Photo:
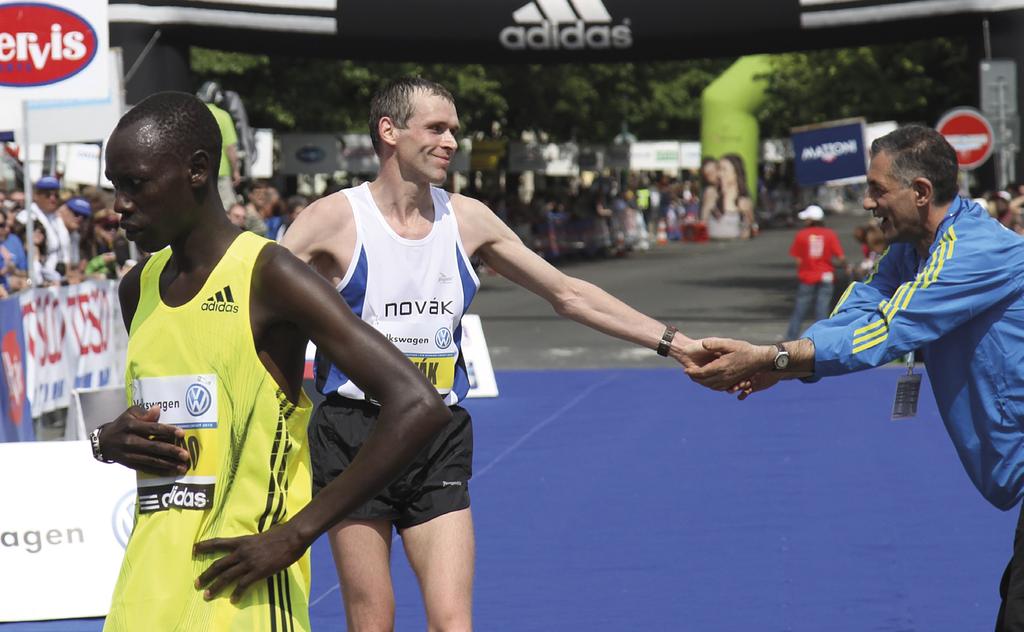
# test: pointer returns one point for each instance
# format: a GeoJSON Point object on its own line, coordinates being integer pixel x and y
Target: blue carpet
{"type": "Point", "coordinates": [613, 500]}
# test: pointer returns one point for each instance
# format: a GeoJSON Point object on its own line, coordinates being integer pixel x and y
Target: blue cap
{"type": "Point", "coordinates": [79, 206]}
{"type": "Point", "coordinates": [47, 183]}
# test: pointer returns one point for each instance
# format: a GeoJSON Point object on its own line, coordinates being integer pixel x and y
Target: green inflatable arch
{"type": "Point", "coordinates": [728, 124]}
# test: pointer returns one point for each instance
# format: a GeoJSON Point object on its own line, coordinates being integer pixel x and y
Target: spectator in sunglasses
{"type": "Point", "coordinates": [45, 202]}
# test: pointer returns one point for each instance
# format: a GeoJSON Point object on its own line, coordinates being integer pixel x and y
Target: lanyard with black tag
{"type": "Point", "coordinates": [908, 389]}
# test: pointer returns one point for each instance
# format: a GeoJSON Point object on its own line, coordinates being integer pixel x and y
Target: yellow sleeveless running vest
{"type": "Point", "coordinates": [250, 459]}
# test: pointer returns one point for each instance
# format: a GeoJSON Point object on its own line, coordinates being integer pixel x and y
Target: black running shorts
{"type": "Point", "coordinates": [436, 483]}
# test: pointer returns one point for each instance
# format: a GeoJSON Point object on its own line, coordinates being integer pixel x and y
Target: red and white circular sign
{"type": "Point", "coordinates": [41, 44]}
{"type": "Point", "coordinates": [970, 134]}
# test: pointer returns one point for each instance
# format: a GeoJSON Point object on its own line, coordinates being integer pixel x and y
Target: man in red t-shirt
{"type": "Point", "coordinates": [815, 248]}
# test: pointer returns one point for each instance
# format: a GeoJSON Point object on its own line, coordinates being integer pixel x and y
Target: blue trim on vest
{"type": "Point", "coordinates": [468, 286]}
{"type": "Point", "coordinates": [354, 293]}
{"type": "Point", "coordinates": [460, 385]}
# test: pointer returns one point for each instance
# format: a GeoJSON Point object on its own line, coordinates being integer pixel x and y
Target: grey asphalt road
{"type": "Point", "coordinates": [742, 289]}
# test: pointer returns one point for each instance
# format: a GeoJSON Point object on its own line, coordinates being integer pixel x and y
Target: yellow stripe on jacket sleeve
{"type": "Point", "coordinates": [870, 343]}
{"type": "Point", "coordinates": [842, 299]}
{"type": "Point", "coordinates": [849, 288]}
{"type": "Point", "coordinates": [931, 272]}
{"type": "Point", "coordinates": [870, 336]}
{"type": "Point", "coordinates": [940, 260]}
{"type": "Point", "coordinates": [869, 327]}
{"type": "Point", "coordinates": [893, 304]}
{"type": "Point", "coordinates": [877, 263]}
{"type": "Point", "coordinates": [874, 334]}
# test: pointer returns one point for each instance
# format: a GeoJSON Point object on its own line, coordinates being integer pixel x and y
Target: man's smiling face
{"type": "Point", "coordinates": [892, 202]}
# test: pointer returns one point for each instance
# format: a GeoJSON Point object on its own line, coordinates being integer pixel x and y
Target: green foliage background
{"type": "Point", "coordinates": [914, 81]}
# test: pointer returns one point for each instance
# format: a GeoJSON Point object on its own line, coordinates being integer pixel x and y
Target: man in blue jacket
{"type": "Point", "coordinates": [949, 285]}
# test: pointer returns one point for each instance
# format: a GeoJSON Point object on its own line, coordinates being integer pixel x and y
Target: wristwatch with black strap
{"type": "Point", "coordinates": [781, 361]}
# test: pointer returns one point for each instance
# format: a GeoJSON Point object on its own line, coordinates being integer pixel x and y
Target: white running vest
{"type": "Point", "coordinates": [412, 291]}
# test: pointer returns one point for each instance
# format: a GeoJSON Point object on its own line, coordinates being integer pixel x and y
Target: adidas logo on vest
{"type": "Point", "coordinates": [222, 301]}
{"type": "Point", "coordinates": [554, 24]}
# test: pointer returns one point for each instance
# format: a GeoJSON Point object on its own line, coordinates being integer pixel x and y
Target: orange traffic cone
{"type": "Point", "coordinates": [662, 235]}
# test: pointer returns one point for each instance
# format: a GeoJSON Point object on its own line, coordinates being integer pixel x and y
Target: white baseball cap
{"type": "Point", "coordinates": [812, 212]}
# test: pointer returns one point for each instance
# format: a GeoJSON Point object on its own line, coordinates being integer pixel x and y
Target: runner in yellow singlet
{"type": "Point", "coordinates": [216, 426]}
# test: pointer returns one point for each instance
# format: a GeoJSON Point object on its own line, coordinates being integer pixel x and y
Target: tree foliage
{"type": "Point", "coordinates": [907, 82]}
{"type": "Point", "coordinates": [913, 81]}
{"type": "Point", "coordinates": [588, 103]}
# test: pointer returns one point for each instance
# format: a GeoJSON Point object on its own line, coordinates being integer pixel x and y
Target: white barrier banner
{"type": "Point", "coordinates": [75, 339]}
{"type": "Point", "coordinates": [661, 155]}
{"type": "Point", "coordinates": [478, 359]}
{"type": "Point", "coordinates": [65, 523]}
{"type": "Point", "coordinates": [93, 315]}
{"type": "Point", "coordinates": [48, 376]}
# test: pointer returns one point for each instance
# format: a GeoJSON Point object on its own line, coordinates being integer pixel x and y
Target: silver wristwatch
{"type": "Point", "coordinates": [781, 362]}
{"type": "Point", "coordinates": [94, 439]}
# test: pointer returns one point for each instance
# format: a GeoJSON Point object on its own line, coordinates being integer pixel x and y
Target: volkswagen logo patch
{"type": "Point", "coordinates": [443, 338]}
{"type": "Point", "coordinates": [197, 399]}
{"type": "Point", "coordinates": [123, 518]}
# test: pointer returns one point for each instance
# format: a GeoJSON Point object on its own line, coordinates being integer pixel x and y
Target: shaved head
{"type": "Point", "coordinates": [177, 123]}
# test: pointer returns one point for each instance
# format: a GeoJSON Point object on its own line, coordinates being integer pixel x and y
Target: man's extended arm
{"type": "Point", "coordinates": [573, 298]}
{"type": "Point", "coordinates": [964, 275]}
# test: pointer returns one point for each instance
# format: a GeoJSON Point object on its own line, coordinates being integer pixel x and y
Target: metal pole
{"type": "Point", "coordinates": [99, 166]}
{"type": "Point", "coordinates": [1009, 145]}
{"type": "Point", "coordinates": [1002, 133]}
{"type": "Point", "coordinates": [1011, 155]}
{"type": "Point", "coordinates": [30, 224]}
{"type": "Point", "coordinates": [138, 60]}
{"type": "Point", "coordinates": [986, 38]}
{"type": "Point", "coordinates": [50, 153]}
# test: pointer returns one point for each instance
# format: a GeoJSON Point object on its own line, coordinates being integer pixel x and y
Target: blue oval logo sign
{"type": "Point", "coordinates": [310, 153]}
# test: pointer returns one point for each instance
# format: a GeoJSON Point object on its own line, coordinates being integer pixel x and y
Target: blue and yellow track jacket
{"type": "Point", "coordinates": [963, 307]}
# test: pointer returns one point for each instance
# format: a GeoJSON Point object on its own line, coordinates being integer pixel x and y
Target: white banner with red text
{"type": "Point", "coordinates": [75, 338]}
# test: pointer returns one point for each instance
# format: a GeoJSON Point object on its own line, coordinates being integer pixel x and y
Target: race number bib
{"type": "Point", "coordinates": [189, 402]}
{"type": "Point", "coordinates": [429, 345]}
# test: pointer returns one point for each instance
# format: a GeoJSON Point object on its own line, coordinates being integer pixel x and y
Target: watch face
{"type": "Point", "coordinates": [782, 361]}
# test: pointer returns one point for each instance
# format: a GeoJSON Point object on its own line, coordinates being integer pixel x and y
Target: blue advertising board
{"type": "Point", "coordinates": [829, 152]}
{"type": "Point", "coordinates": [15, 414]}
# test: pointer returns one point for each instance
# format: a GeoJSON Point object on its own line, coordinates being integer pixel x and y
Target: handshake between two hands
{"type": "Point", "coordinates": [734, 366]}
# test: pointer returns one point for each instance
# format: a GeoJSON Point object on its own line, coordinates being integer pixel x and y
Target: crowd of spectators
{"type": "Point", "coordinates": [76, 236]}
{"type": "Point", "coordinates": [1007, 206]}
{"type": "Point", "coordinates": [612, 216]}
